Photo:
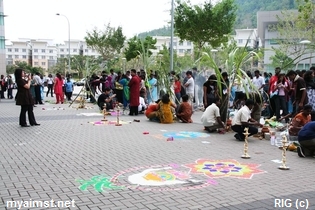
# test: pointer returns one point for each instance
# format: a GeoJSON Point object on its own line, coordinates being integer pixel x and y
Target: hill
{"type": "Point", "coordinates": [246, 14]}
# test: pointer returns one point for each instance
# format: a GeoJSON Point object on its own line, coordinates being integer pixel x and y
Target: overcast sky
{"type": "Point", "coordinates": [37, 19]}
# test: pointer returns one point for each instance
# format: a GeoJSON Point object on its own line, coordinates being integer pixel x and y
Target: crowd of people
{"type": "Point", "coordinates": [285, 96]}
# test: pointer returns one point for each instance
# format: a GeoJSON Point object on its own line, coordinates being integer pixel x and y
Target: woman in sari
{"type": "Point", "coordinates": [124, 82]}
{"type": "Point", "coordinates": [165, 109]}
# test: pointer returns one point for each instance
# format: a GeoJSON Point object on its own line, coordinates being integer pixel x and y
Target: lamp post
{"type": "Point", "coordinates": [214, 51]}
{"type": "Point", "coordinates": [69, 60]}
{"type": "Point", "coordinates": [124, 63]}
{"type": "Point", "coordinates": [172, 37]}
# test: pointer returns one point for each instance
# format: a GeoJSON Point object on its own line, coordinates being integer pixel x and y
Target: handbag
{"type": "Point", "coordinates": [274, 93]}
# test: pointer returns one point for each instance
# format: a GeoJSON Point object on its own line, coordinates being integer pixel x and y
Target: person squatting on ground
{"type": "Point", "coordinates": [106, 99]}
{"type": "Point", "coordinates": [24, 98]}
{"type": "Point", "coordinates": [184, 111]}
{"type": "Point", "coordinates": [306, 140]}
{"type": "Point", "coordinates": [243, 120]}
{"type": "Point", "coordinates": [211, 118]}
{"type": "Point", "coordinates": [165, 112]}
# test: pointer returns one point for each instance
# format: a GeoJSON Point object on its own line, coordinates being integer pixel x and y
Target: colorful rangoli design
{"type": "Point", "coordinates": [107, 122]}
{"type": "Point", "coordinates": [173, 177]}
{"type": "Point", "coordinates": [224, 168]}
{"type": "Point", "coordinates": [185, 134]}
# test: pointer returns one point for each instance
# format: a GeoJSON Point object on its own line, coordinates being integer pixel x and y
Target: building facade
{"type": "Point", "coordinates": [269, 37]}
{"type": "Point", "coordinates": [43, 52]}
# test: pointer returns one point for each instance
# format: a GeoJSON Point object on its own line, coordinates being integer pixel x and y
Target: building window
{"type": "Point", "coordinates": [51, 57]}
{"type": "Point", "coordinates": [249, 41]}
{"type": "Point", "coordinates": [51, 51]}
{"type": "Point", "coordinates": [43, 63]}
{"type": "Point", "coordinates": [180, 43]}
{"type": "Point", "coordinates": [10, 62]}
{"type": "Point", "coordinates": [9, 50]}
{"type": "Point", "coordinates": [188, 43]}
{"type": "Point", "coordinates": [175, 43]}
{"type": "Point", "coordinates": [43, 50]}
{"type": "Point", "coordinates": [240, 41]}
{"type": "Point", "coordinates": [35, 50]}
{"type": "Point", "coordinates": [188, 51]}
{"type": "Point", "coordinates": [36, 63]}
{"type": "Point", "coordinates": [86, 50]}
{"type": "Point", "coordinates": [62, 50]}
{"type": "Point", "coordinates": [43, 57]}
{"type": "Point", "coordinates": [9, 56]}
{"type": "Point", "coordinates": [75, 50]}
{"type": "Point", "coordinates": [35, 56]}
{"type": "Point", "coordinates": [16, 56]}
{"type": "Point", "coordinates": [1, 18]}
{"type": "Point", "coordinates": [62, 56]}
{"type": "Point", "coordinates": [16, 50]}
{"type": "Point", "coordinates": [181, 50]}
{"type": "Point", "coordinates": [273, 42]}
{"type": "Point", "coordinates": [24, 56]}
{"type": "Point", "coordinates": [23, 50]}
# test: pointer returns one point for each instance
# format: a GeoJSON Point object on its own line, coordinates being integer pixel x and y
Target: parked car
{"type": "Point", "coordinates": [80, 82]}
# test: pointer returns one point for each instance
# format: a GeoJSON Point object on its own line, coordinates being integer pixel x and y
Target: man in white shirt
{"type": "Point", "coordinates": [142, 106]}
{"type": "Point", "coordinates": [259, 81]}
{"type": "Point", "coordinates": [242, 119]}
{"type": "Point", "coordinates": [38, 84]}
{"type": "Point", "coordinates": [190, 87]}
{"type": "Point", "coordinates": [211, 118]}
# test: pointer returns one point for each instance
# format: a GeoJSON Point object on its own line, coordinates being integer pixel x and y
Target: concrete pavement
{"type": "Point", "coordinates": [73, 157]}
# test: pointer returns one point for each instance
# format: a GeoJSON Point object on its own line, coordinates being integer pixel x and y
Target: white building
{"type": "Point", "coordinates": [269, 38]}
{"type": "Point", "coordinates": [180, 47]}
{"type": "Point", "coordinates": [247, 37]}
{"type": "Point", "coordinates": [43, 52]}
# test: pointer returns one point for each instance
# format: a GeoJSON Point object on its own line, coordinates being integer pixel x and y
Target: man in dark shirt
{"type": "Point", "coordinates": [306, 139]}
{"type": "Point", "coordinates": [300, 91]}
{"type": "Point", "coordinates": [106, 98]}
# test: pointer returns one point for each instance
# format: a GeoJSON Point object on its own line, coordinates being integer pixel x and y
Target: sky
{"type": "Point", "coordinates": [37, 19]}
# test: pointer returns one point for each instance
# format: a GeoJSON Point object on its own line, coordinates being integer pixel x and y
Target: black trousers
{"type": "Point", "coordinates": [133, 110]}
{"type": "Point", "coordinates": [31, 117]}
{"type": "Point", "coordinates": [69, 95]}
{"type": "Point", "coordinates": [272, 106]}
{"type": "Point", "coordinates": [280, 103]}
{"type": "Point", "coordinates": [50, 90]}
{"type": "Point", "coordinates": [240, 130]}
{"type": "Point", "coordinates": [38, 98]}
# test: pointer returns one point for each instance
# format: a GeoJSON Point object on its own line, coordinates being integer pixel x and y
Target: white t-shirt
{"type": "Point", "coordinates": [242, 115]}
{"type": "Point", "coordinates": [258, 82]}
{"type": "Point", "coordinates": [141, 104]}
{"type": "Point", "coordinates": [49, 81]}
{"type": "Point", "coordinates": [209, 116]}
{"type": "Point", "coordinates": [191, 85]}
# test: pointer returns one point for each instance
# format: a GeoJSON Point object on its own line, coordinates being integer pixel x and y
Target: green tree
{"type": "Point", "coordinates": [205, 24]}
{"type": "Point", "coordinates": [107, 42]}
{"type": "Point", "coordinates": [134, 48]}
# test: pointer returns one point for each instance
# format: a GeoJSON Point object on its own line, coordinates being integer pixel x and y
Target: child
{"type": "Point", "coordinates": [69, 89]}
{"type": "Point", "coordinates": [184, 111]}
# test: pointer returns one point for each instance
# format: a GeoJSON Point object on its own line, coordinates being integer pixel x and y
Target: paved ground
{"type": "Point", "coordinates": [118, 167]}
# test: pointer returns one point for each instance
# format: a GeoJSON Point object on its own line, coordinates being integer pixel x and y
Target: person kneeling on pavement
{"type": "Point", "coordinates": [106, 99]}
{"type": "Point", "coordinates": [299, 121]}
{"type": "Point", "coordinates": [243, 119]}
{"type": "Point", "coordinates": [211, 118]}
{"type": "Point", "coordinates": [306, 139]}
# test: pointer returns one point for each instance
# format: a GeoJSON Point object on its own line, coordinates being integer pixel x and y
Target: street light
{"type": "Point", "coordinates": [69, 66]}
{"type": "Point", "coordinates": [124, 61]}
{"type": "Point", "coordinates": [172, 37]}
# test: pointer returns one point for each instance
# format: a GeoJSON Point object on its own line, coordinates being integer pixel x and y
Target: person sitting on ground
{"type": "Point", "coordinates": [299, 121]}
{"type": "Point", "coordinates": [165, 109]}
{"type": "Point", "coordinates": [106, 98]}
{"type": "Point", "coordinates": [306, 138]}
{"type": "Point", "coordinates": [184, 111]}
{"type": "Point", "coordinates": [243, 120]}
{"type": "Point", "coordinates": [142, 106]}
{"type": "Point", "coordinates": [240, 100]}
{"type": "Point", "coordinates": [152, 111]}
{"type": "Point", "coordinates": [211, 118]}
